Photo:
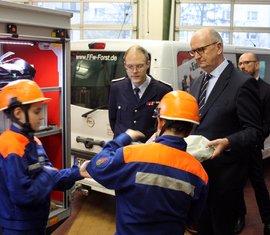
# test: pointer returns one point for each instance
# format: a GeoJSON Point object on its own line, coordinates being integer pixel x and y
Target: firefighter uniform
{"type": "Point", "coordinates": [26, 174]}
{"type": "Point", "coordinates": [125, 111]}
{"type": "Point", "coordinates": [26, 183]}
{"type": "Point", "coordinates": [160, 188]}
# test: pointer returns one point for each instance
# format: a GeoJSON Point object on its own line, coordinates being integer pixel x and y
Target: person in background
{"type": "Point", "coordinates": [133, 98]}
{"type": "Point", "coordinates": [159, 187]}
{"type": "Point", "coordinates": [230, 118]}
{"type": "Point", "coordinates": [27, 177]}
{"type": "Point", "coordinates": [249, 63]}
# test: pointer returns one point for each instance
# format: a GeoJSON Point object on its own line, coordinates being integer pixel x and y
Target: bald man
{"type": "Point", "coordinates": [230, 97]}
{"type": "Point", "coordinates": [249, 63]}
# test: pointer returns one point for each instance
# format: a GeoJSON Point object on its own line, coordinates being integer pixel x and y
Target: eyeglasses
{"type": "Point", "coordinates": [138, 67]}
{"type": "Point", "coordinates": [246, 62]}
{"type": "Point", "coordinates": [201, 50]}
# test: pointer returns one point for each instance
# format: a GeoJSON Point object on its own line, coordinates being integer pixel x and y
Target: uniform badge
{"type": "Point", "coordinates": [152, 103]}
{"type": "Point", "coordinates": [102, 162]}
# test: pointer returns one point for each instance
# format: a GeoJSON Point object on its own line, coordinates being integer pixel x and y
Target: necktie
{"type": "Point", "coordinates": [137, 90]}
{"type": "Point", "coordinates": [203, 91]}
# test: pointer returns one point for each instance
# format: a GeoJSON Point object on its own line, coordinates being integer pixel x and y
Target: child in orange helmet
{"type": "Point", "coordinates": [26, 175]}
{"type": "Point", "coordinates": [159, 187]}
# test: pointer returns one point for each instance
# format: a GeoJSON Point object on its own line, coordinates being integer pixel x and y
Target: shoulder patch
{"type": "Point", "coordinates": [168, 84]}
{"type": "Point", "coordinates": [103, 162]}
{"type": "Point", "coordinates": [118, 79]}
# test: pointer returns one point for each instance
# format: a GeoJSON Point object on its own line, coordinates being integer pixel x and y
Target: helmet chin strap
{"type": "Point", "coordinates": [24, 126]}
{"type": "Point", "coordinates": [163, 129]}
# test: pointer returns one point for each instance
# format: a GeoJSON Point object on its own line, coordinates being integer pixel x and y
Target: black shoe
{"type": "Point", "coordinates": [240, 224]}
{"type": "Point", "coordinates": [267, 228]}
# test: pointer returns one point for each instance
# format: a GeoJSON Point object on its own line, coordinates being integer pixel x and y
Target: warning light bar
{"type": "Point", "coordinates": [96, 45]}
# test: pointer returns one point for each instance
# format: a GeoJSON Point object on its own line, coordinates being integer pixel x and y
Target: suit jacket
{"type": "Point", "coordinates": [232, 110]}
{"type": "Point", "coordinates": [264, 88]}
{"type": "Point", "coordinates": [126, 112]}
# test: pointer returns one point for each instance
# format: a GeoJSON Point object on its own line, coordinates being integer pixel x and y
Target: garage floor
{"type": "Point", "coordinates": [95, 214]}
{"type": "Point", "coordinates": [91, 215]}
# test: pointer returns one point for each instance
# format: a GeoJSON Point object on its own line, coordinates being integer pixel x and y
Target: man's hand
{"type": "Point", "coordinates": [83, 170]}
{"type": "Point", "coordinates": [187, 233]}
{"type": "Point", "coordinates": [219, 146]}
{"type": "Point", "coordinates": [190, 231]}
{"type": "Point", "coordinates": [135, 135]}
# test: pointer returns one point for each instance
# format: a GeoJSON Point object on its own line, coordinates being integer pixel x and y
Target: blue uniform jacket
{"type": "Point", "coordinates": [25, 185]}
{"type": "Point", "coordinates": [159, 187]}
{"type": "Point", "coordinates": [125, 112]}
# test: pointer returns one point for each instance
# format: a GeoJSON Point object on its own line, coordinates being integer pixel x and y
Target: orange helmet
{"type": "Point", "coordinates": [179, 106]}
{"type": "Point", "coordinates": [22, 91]}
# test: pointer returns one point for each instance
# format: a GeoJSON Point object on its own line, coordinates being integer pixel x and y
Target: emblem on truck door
{"type": "Point", "coordinates": [90, 121]}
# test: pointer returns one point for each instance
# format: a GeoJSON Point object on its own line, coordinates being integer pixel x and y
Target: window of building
{"type": "Point", "coordinates": [73, 7]}
{"type": "Point", "coordinates": [204, 14]}
{"type": "Point", "coordinates": [252, 15]}
{"type": "Point", "coordinates": [240, 22]}
{"type": "Point", "coordinates": [95, 18]}
{"type": "Point", "coordinates": [99, 12]}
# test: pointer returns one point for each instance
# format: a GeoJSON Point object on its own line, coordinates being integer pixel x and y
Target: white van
{"type": "Point", "coordinates": [96, 62]}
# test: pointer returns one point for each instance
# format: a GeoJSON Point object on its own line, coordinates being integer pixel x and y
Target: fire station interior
{"type": "Point", "coordinates": [84, 210]}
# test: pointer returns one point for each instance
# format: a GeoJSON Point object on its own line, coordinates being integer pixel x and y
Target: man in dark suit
{"type": "Point", "coordinates": [134, 98]}
{"type": "Point", "coordinates": [249, 63]}
{"type": "Point", "coordinates": [230, 119]}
